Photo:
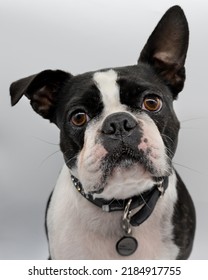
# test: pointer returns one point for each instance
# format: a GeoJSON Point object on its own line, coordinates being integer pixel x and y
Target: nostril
{"type": "Point", "coordinates": [129, 124]}
{"type": "Point", "coordinates": [109, 129]}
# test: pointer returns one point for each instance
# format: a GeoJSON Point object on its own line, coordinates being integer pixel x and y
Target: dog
{"type": "Point", "coordinates": [118, 195]}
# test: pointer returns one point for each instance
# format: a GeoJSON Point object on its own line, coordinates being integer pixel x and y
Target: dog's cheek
{"type": "Point", "coordinates": [153, 147]}
{"type": "Point", "coordinates": [89, 161]}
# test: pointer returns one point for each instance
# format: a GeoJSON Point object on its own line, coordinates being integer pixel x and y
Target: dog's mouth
{"type": "Point", "coordinates": [122, 160]}
{"type": "Point", "coordinates": [124, 157]}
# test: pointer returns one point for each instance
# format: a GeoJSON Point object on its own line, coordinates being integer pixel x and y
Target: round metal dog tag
{"type": "Point", "coordinates": [126, 246]}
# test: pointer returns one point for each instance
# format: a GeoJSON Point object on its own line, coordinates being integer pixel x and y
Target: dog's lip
{"type": "Point", "coordinates": [122, 154]}
{"type": "Point", "coordinates": [125, 157]}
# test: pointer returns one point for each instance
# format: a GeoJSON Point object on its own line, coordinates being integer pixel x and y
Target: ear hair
{"type": "Point", "coordinates": [166, 49]}
{"type": "Point", "coordinates": [42, 89]}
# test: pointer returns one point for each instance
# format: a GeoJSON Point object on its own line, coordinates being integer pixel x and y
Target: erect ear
{"type": "Point", "coordinates": [166, 49]}
{"type": "Point", "coordinates": [42, 89]}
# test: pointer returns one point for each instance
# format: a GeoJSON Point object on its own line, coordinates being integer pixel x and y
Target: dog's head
{"type": "Point", "coordinates": [118, 127]}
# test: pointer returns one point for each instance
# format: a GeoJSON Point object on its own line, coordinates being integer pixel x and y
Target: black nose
{"type": "Point", "coordinates": [119, 125]}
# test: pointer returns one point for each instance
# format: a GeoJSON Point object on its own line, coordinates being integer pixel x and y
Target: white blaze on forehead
{"type": "Point", "coordinates": [106, 83]}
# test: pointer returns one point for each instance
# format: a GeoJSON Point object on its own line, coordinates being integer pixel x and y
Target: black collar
{"type": "Point", "coordinates": [148, 199]}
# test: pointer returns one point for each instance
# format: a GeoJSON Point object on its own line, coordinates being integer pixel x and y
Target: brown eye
{"type": "Point", "coordinates": [152, 104]}
{"type": "Point", "coordinates": [79, 119]}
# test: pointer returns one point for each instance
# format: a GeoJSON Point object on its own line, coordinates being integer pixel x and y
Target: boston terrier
{"type": "Point", "coordinates": [118, 195]}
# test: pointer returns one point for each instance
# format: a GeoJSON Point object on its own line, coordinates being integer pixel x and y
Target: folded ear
{"type": "Point", "coordinates": [166, 49]}
{"type": "Point", "coordinates": [42, 89]}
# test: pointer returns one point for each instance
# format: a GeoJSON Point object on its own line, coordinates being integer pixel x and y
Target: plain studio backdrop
{"type": "Point", "coordinates": [79, 36]}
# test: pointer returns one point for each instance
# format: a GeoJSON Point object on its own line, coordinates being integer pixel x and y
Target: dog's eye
{"type": "Point", "coordinates": [79, 118]}
{"type": "Point", "coordinates": [152, 104]}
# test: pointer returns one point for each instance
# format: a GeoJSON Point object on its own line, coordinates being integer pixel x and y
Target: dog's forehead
{"type": "Point", "coordinates": [114, 86]}
{"type": "Point", "coordinates": [106, 82]}
{"type": "Point", "coordinates": [125, 85]}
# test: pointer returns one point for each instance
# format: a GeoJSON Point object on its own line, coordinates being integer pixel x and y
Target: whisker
{"type": "Point", "coordinates": [189, 127]}
{"type": "Point", "coordinates": [186, 167]}
{"type": "Point", "coordinates": [193, 119]}
{"type": "Point", "coordinates": [144, 200]}
{"type": "Point", "coordinates": [170, 153]}
{"type": "Point", "coordinates": [41, 164]}
{"type": "Point", "coordinates": [166, 136]}
{"type": "Point", "coordinates": [71, 159]}
{"type": "Point", "coordinates": [44, 141]}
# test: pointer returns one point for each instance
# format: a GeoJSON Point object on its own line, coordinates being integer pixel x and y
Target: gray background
{"type": "Point", "coordinates": [79, 36]}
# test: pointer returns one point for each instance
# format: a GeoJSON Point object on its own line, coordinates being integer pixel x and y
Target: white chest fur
{"type": "Point", "coordinates": [80, 230]}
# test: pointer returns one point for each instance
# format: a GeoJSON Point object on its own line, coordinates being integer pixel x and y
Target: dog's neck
{"type": "Point", "coordinates": [147, 200]}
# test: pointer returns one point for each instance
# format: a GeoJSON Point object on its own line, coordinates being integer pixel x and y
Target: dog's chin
{"type": "Point", "coordinates": [125, 180]}
{"type": "Point", "coordinates": [125, 176]}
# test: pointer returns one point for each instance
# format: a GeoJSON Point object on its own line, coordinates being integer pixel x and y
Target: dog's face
{"type": "Point", "coordinates": [118, 127]}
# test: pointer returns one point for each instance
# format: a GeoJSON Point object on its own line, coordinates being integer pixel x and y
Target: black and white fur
{"type": "Point", "coordinates": [120, 150]}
